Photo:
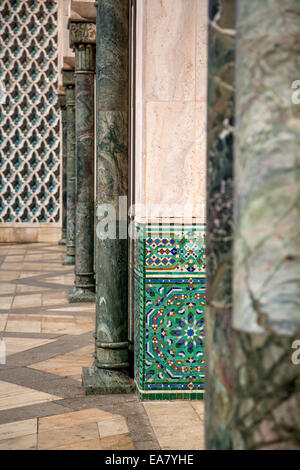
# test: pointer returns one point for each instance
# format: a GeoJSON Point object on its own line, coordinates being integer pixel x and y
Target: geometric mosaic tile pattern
{"type": "Point", "coordinates": [29, 121]}
{"type": "Point", "coordinates": [169, 273]}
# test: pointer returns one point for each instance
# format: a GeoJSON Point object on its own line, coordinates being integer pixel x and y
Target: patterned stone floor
{"type": "Point", "coordinates": [47, 342]}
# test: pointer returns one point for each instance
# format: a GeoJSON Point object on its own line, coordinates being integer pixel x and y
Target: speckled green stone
{"type": "Point", "coordinates": [218, 334]}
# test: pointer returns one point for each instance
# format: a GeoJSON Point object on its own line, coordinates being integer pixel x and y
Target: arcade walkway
{"type": "Point", "coordinates": [47, 342]}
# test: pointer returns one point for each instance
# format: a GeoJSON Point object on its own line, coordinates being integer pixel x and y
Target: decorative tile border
{"type": "Point", "coordinates": [169, 303]}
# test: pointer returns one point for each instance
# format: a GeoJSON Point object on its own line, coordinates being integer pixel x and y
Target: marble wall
{"type": "Point", "coordinates": [171, 66]}
{"type": "Point", "coordinates": [29, 233]}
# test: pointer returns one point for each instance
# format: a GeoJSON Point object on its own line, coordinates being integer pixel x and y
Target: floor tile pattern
{"type": "Point", "coordinates": [169, 298]}
{"type": "Point", "coordinates": [47, 341]}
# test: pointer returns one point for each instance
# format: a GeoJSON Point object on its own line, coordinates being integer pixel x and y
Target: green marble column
{"type": "Point", "coordinates": [266, 313]}
{"type": "Point", "coordinates": [83, 39]}
{"type": "Point", "coordinates": [109, 373]}
{"type": "Point", "coordinates": [69, 84]}
{"type": "Point", "coordinates": [63, 109]}
{"type": "Point", "coordinates": [218, 335]}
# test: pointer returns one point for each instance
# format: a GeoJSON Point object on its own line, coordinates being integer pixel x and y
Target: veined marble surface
{"type": "Point", "coordinates": [171, 104]}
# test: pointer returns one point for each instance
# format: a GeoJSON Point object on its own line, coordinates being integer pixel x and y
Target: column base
{"type": "Point", "coordinates": [104, 382]}
{"type": "Point", "coordinates": [69, 260]}
{"type": "Point", "coordinates": [63, 241]}
{"type": "Point", "coordinates": [79, 294]}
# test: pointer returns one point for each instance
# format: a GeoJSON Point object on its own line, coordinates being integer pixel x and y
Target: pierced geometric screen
{"type": "Point", "coordinates": [169, 310]}
{"type": "Point", "coordinates": [29, 119]}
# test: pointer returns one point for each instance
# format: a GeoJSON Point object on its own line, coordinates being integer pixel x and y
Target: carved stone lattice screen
{"type": "Point", "coordinates": [29, 119]}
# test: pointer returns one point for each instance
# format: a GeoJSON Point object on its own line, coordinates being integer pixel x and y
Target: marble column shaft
{"type": "Point", "coordinates": [69, 83]}
{"type": "Point", "coordinates": [62, 105]}
{"type": "Point", "coordinates": [266, 317]}
{"type": "Point", "coordinates": [110, 371]}
{"type": "Point", "coordinates": [218, 334]}
{"type": "Point", "coordinates": [83, 37]}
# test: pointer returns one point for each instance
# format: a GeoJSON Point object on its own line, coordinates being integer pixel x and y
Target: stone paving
{"type": "Point", "coordinates": [48, 341]}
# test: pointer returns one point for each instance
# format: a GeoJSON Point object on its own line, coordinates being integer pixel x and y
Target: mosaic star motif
{"type": "Point", "coordinates": [169, 312]}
